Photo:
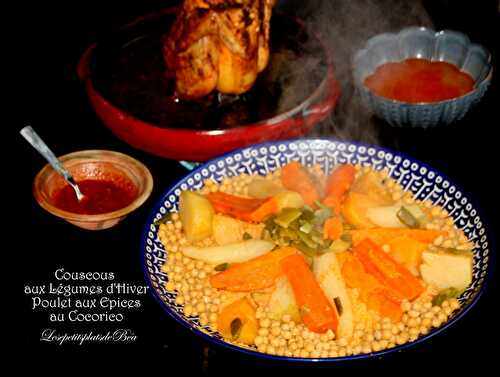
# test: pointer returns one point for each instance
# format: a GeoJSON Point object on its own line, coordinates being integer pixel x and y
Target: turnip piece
{"type": "Point", "coordinates": [232, 253]}
{"type": "Point", "coordinates": [262, 188]}
{"type": "Point", "coordinates": [385, 217]}
{"type": "Point", "coordinates": [447, 270]}
{"type": "Point", "coordinates": [327, 272]}
{"type": "Point", "coordinates": [227, 230]}
{"type": "Point", "coordinates": [283, 302]}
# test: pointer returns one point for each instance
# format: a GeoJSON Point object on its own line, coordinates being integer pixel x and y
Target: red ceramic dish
{"type": "Point", "coordinates": [201, 144]}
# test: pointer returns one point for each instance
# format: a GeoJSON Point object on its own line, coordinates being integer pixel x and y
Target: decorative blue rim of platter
{"type": "Point", "coordinates": [484, 250]}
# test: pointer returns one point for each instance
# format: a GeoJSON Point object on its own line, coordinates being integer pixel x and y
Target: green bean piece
{"type": "Point", "coordinates": [445, 295]}
{"type": "Point", "coordinates": [308, 251]}
{"type": "Point", "coordinates": [306, 227]}
{"type": "Point", "coordinates": [339, 246]}
{"type": "Point", "coordinates": [304, 237]}
{"type": "Point", "coordinates": [321, 215]}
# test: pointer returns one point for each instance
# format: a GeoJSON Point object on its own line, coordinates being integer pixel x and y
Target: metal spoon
{"type": "Point", "coordinates": [32, 137]}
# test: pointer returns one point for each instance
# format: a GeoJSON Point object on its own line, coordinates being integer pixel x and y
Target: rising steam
{"type": "Point", "coordinates": [345, 26]}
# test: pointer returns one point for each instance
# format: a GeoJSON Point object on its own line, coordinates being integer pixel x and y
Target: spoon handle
{"type": "Point", "coordinates": [32, 137]}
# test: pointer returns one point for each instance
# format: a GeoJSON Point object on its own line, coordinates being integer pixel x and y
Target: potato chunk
{"type": "Point", "coordinates": [196, 213]}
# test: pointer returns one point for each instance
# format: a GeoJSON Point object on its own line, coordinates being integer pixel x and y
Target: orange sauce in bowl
{"type": "Point", "coordinates": [419, 80]}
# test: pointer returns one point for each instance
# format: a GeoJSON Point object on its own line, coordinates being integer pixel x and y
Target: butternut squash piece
{"type": "Point", "coordinates": [354, 210]}
{"type": "Point", "coordinates": [237, 321]}
{"type": "Point", "coordinates": [408, 252]}
{"type": "Point", "coordinates": [382, 236]}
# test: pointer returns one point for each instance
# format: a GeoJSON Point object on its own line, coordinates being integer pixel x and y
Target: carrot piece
{"type": "Point", "coordinates": [382, 236]}
{"type": "Point", "coordinates": [247, 209]}
{"type": "Point", "coordinates": [255, 274]}
{"type": "Point", "coordinates": [333, 228]}
{"type": "Point", "coordinates": [269, 207]}
{"type": "Point", "coordinates": [337, 186]}
{"type": "Point", "coordinates": [390, 273]}
{"type": "Point", "coordinates": [316, 311]}
{"type": "Point", "coordinates": [226, 203]}
{"type": "Point", "coordinates": [295, 177]}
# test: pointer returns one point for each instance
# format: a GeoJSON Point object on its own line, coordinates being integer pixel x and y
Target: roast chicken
{"type": "Point", "coordinates": [218, 45]}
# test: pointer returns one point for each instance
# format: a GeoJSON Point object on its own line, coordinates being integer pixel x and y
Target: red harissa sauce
{"type": "Point", "coordinates": [419, 80]}
{"type": "Point", "coordinates": [101, 196]}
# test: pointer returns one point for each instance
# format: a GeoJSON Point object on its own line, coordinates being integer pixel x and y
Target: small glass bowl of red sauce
{"type": "Point", "coordinates": [420, 77]}
{"type": "Point", "coordinates": [113, 184]}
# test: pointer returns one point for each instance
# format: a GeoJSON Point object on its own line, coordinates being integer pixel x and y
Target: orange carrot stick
{"type": "Point", "coordinates": [386, 270]}
{"type": "Point", "coordinates": [316, 311]}
{"type": "Point", "coordinates": [257, 273]}
{"type": "Point", "coordinates": [247, 209]}
{"type": "Point", "coordinates": [295, 177]}
{"type": "Point", "coordinates": [333, 228]}
{"type": "Point", "coordinates": [338, 185]}
{"type": "Point", "coordinates": [382, 236]}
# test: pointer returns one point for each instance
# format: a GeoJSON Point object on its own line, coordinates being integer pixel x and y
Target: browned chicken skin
{"type": "Point", "coordinates": [218, 44]}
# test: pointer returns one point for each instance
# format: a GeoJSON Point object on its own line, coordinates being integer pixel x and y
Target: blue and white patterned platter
{"type": "Point", "coordinates": [425, 182]}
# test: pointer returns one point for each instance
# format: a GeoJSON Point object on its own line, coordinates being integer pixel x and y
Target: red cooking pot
{"type": "Point", "coordinates": [126, 82]}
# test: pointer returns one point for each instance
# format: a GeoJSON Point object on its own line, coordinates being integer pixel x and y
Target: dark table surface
{"type": "Point", "coordinates": [50, 40]}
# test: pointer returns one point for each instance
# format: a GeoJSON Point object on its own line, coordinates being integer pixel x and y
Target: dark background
{"type": "Point", "coordinates": [49, 39]}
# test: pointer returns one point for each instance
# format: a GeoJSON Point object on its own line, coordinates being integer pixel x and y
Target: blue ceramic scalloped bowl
{"type": "Point", "coordinates": [422, 43]}
{"type": "Point", "coordinates": [422, 180]}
